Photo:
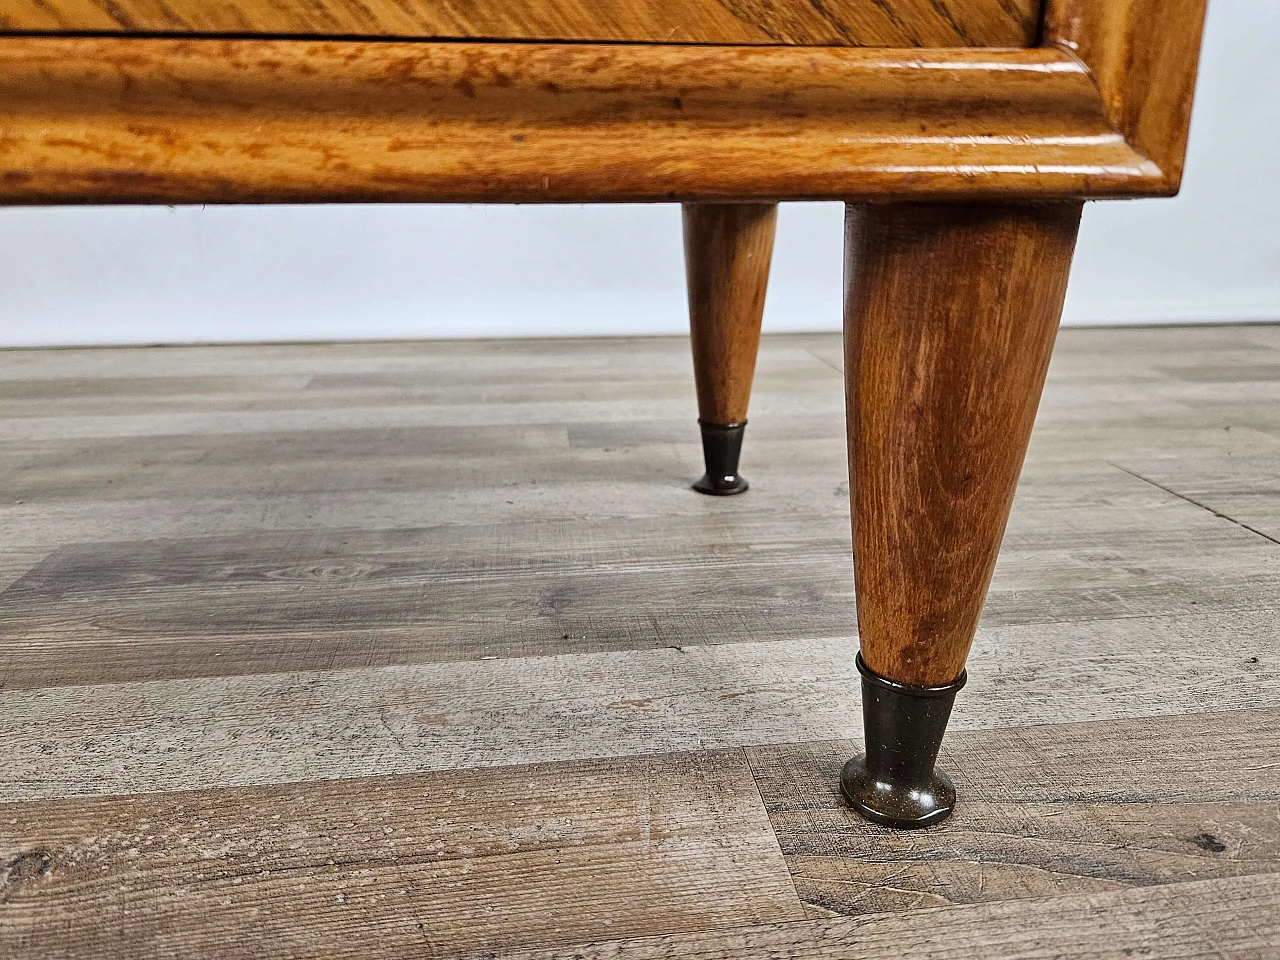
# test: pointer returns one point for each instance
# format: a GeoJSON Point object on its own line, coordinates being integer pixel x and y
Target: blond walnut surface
{"type": "Point", "coordinates": [887, 23]}
{"type": "Point", "coordinates": [256, 121]}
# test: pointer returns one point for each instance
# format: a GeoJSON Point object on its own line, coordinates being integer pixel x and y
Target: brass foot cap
{"type": "Point", "coordinates": [721, 446]}
{"type": "Point", "coordinates": [894, 782]}
{"type": "Point", "coordinates": [721, 486]}
{"type": "Point", "coordinates": [906, 808]}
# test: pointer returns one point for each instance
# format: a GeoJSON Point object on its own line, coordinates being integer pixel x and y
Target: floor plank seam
{"type": "Point", "coordinates": [274, 681]}
{"type": "Point", "coordinates": [821, 359]}
{"type": "Point", "coordinates": [1195, 503]}
{"type": "Point", "coordinates": [773, 829]}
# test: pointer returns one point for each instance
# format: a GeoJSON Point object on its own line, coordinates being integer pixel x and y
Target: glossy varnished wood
{"type": "Point", "coordinates": [877, 23]}
{"type": "Point", "coordinates": [950, 318]}
{"type": "Point", "coordinates": [109, 120]}
{"type": "Point", "coordinates": [1143, 54]}
{"type": "Point", "coordinates": [1101, 111]}
{"type": "Point", "coordinates": [727, 249]}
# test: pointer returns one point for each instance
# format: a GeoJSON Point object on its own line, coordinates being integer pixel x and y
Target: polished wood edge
{"type": "Point", "coordinates": [102, 120]}
{"type": "Point", "coordinates": [1143, 56]}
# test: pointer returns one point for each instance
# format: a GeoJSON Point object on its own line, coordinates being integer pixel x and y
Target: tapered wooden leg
{"type": "Point", "coordinates": [950, 316]}
{"type": "Point", "coordinates": [727, 249]}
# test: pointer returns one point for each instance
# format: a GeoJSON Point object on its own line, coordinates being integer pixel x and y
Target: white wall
{"type": "Point", "coordinates": [149, 275]}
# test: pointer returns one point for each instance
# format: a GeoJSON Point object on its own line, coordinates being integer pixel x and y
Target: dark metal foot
{"type": "Point", "coordinates": [894, 782]}
{"type": "Point", "coordinates": [721, 446]}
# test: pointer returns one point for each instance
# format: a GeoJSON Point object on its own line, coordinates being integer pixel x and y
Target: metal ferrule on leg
{"type": "Point", "coordinates": [721, 447]}
{"type": "Point", "coordinates": [894, 782]}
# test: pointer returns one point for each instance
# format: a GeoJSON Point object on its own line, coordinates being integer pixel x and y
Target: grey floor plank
{"type": "Point", "coordinates": [280, 728]}
{"type": "Point", "coordinates": [1045, 811]}
{"type": "Point", "coordinates": [1236, 919]}
{"type": "Point", "coordinates": [1084, 544]}
{"type": "Point", "coordinates": [436, 865]}
{"type": "Point", "coordinates": [251, 570]}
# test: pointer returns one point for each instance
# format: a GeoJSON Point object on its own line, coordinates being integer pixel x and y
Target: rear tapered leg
{"type": "Point", "coordinates": [950, 316]}
{"type": "Point", "coordinates": [727, 249]}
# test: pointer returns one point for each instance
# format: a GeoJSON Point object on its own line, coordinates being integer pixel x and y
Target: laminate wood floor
{"type": "Point", "coordinates": [427, 650]}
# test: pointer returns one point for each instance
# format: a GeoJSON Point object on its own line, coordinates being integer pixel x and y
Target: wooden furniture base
{"type": "Point", "coordinates": [964, 134]}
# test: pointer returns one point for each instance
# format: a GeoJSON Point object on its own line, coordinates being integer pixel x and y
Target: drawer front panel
{"type": "Point", "coordinates": [856, 23]}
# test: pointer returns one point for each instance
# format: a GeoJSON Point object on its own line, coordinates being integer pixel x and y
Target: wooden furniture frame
{"type": "Point", "coordinates": [963, 134]}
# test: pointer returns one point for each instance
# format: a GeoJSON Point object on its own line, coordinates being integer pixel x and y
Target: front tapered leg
{"type": "Point", "coordinates": [727, 249]}
{"type": "Point", "coordinates": [950, 316]}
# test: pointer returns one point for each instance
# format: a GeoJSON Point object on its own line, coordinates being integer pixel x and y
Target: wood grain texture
{"type": "Point", "coordinates": [102, 739]}
{"type": "Point", "coordinates": [219, 515]}
{"type": "Point", "coordinates": [727, 252]}
{"type": "Point", "coordinates": [254, 121]}
{"type": "Point", "coordinates": [1045, 811]}
{"type": "Point", "coordinates": [950, 319]}
{"type": "Point", "coordinates": [217, 511]}
{"type": "Point", "coordinates": [15, 562]}
{"type": "Point", "coordinates": [346, 599]}
{"type": "Point", "coordinates": [1143, 54]}
{"type": "Point", "coordinates": [485, 863]}
{"type": "Point", "coordinates": [231, 584]}
{"type": "Point", "coordinates": [886, 23]}
{"type": "Point", "coordinates": [437, 865]}
{"type": "Point", "coordinates": [1213, 919]}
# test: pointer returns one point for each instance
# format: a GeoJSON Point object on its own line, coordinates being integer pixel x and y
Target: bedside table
{"type": "Point", "coordinates": [963, 134]}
